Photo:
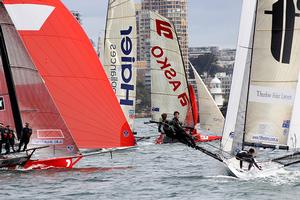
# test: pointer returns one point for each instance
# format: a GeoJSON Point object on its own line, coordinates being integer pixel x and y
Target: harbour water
{"type": "Point", "coordinates": [169, 171]}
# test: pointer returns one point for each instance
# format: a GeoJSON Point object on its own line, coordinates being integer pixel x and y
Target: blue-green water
{"type": "Point", "coordinates": [170, 171]}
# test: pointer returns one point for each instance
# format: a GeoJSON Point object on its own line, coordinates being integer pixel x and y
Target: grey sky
{"type": "Point", "coordinates": [211, 22]}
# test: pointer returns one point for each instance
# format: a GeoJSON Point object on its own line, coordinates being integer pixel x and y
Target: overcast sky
{"type": "Point", "coordinates": [211, 22]}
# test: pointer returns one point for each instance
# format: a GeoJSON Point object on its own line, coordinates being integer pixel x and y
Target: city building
{"type": "Point", "coordinates": [194, 52]}
{"type": "Point", "coordinates": [176, 12]}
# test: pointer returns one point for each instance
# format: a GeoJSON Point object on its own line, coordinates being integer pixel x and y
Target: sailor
{"type": "Point", "coordinates": [3, 136]}
{"type": "Point", "coordinates": [5, 139]}
{"type": "Point", "coordinates": [164, 126]}
{"type": "Point", "coordinates": [11, 138]}
{"type": "Point", "coordinates": [180, 133]}
{"type": "Point", "coordinates": [25, 136]}
{"type": "Point", "coordinates": [247, 156]}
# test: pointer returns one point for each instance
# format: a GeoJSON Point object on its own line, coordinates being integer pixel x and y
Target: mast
{"type": "Point", "coordinates": [10, 85]}
{"type": "Point", "coordinates": [186, 78]}
{"type": "Point", "coordinates": [249, 78]}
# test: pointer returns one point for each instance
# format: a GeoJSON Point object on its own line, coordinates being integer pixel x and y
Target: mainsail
{"type": "Point", "coordinates": [210, 116]}
{"type": "Point", "coordinates": [264, 113]}
{"type": "Point", "coordinates": [72, 72]}
{"type": "Point", "coordinates": [120, 53]}
{"type": "Point", "coordinates": [169, 87]}
{"type": "Point", "coordinates": [273, 73]}
{"type": "Point", "coordinates": [22, 87]}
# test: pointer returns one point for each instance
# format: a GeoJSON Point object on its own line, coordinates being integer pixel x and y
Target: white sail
{"type": "Point", "coordinates": [239, 85]}
{"type": "Point", "coordinates": [294, 134]}
{"type": "Point", "coordinates": [274, 72]}
{"type": "Point", "coordinates": [120, 54]}
{"type": "Point", "coordinates": [210, 116]}
{"type": "Point", "coordinates": [169, 89]}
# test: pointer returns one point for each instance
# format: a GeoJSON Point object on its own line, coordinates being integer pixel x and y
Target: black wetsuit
{"type": "Point", "coordinates": [3, 138]}
{"type": "Point", "coordinates": [165, 128]}
{"type": "Point", "coordinates": [248, 157]}
{"type": "Point", "coordinates": [181, 135]}
{"type": "Point", "coordinates": [11, 139]}
{"type": "Point", "coordinates": [25, 138]}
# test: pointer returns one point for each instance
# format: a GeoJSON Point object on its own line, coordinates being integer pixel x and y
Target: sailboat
{"type": "Point", "coordinates": [170, 90]}
{"type": "Point", "coordinates": [120, 45]}
{"type": "Point", "coordinates": [210, 117]}
{"type": "Point", "coordinates": [25, 98]}
{"type": "Point", "coordinates": [264, 101]}
{"type": "Point", "coordinates": [72, 72]}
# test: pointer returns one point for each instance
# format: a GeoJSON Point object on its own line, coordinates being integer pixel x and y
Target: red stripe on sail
{"type": "Point", "coordinates": [76, 80]}
{"type": "Point", "coordinates": [194, 104]}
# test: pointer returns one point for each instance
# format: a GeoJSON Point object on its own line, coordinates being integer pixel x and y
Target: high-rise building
{"type": "Point", "coordinates": [176, 12]}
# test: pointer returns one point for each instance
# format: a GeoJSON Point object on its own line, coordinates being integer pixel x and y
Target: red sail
{"type": "Point", "coordinates": [35, 105]}
{"type": "Point", "coordinates": [194, 104]}
{"type": "Point", "coordinates": [72, 72]}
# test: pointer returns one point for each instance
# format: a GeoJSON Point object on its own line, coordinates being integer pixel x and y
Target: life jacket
{"type": "Point", "coordinates": [11, 134]}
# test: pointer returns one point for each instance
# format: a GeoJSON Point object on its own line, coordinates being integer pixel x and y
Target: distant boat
{"type": "Point", "coordinates": [264, 109]}
{"type": "Point", "coordinates": [170, 90]}
{"type": "Point", "coordinates": [72, 72]}
{"type": "Point", "coordinates": [25, 98]}
{"type": "Point", "coordinates": [210, 116]}
{"type": "Point", "coordinates": [120, 44]}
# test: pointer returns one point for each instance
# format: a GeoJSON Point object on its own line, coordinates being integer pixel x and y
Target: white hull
{"type": "Point", "coordinates": [268, 169]}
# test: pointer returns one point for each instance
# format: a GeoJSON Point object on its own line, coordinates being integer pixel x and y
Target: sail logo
{"type": "Point", "coordinates": [164, 28]}
{"type": "Point", "coordinates": [2, 104]}
{"type": "Point", "coordinates": [283, 22]}
{"type": "Point", "coordinates": [127, 66]}
{"type": "Point", "coordinates": [170, 73]}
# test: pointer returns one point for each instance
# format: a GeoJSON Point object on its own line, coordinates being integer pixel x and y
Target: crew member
{"type": "Point", "coordinates": [5, 139]}
{"type": "Point", "coordinates": [180, 133]}
{"type": "Point", "coordinates": [247, 156]}
{"type": "Point", "coordinates": [25, 136]}
{"type": "Point", "coordinates": [164, 126]}
{"type": "Point", "coordinates": [3, 136]}
{"type": "Point", "coordinates": [11, 138]}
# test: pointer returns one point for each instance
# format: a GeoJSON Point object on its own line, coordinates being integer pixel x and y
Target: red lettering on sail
{"type": "Point", "coordinates": [183, 98]}
{"type": "Point", "coordinates": [164, 63]}
{"type": "Point", "coordinates": [169, 73]}
{"type": "Point", "coordinates": [163, 28]}
{"type": "Point", "coordinates": [176, 85]}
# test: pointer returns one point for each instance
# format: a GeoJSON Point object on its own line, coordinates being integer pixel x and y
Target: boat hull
{"type": "Point", "coordinates": [64, 162]}
{"type": "Point", "coordinates": [163, 139]}
{"type": "Point", "coordinates": [268, 169]}
{"type": "Point", "coordinates": [13, 161]}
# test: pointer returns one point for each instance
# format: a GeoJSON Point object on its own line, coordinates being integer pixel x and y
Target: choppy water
{"type": "Point", "coordinates": [170, 171]}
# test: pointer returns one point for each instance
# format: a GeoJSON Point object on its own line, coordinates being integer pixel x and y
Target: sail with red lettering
{"type": "Point", "coordinates": [120, 45]}
{"type": "Point", "coordinates": [72, 72]}
{"type": "Point", "coordinates": [169, 87]}
{"type": "Point", "coordinates": [25, 98]}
